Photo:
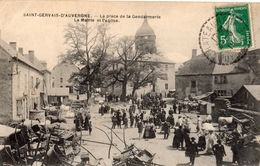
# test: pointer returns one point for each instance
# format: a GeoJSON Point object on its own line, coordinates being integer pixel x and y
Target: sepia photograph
{"type": "Point", "coordinates": [124, 83]}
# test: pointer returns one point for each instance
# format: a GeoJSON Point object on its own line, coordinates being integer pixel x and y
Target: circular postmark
{"type": "Point", "coordinates": [220, 44]}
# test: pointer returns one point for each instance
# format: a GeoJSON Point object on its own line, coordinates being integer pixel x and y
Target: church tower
{"type": "Point", "coordinates": [145, 38]}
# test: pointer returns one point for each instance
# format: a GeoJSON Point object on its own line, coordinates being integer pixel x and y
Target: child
{"type": "Point", "coordinates": [90, 127]}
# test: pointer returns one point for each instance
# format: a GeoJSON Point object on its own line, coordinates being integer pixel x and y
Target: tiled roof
{"type": "Point", "coordinates": [254, 90]}
{"type": "Point", "coordinates": [38, 66]}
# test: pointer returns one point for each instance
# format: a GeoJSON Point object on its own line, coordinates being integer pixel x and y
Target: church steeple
{"type": "Point", "coordinates": [145, 38]}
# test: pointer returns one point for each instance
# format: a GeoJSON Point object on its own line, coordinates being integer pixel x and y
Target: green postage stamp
{"type": "Point", "coordinates": [233, 27]}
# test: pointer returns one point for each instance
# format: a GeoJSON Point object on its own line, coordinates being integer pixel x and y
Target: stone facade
{"type": "Point", "coordinates": [199, 76]}
{"type": "Point", "coordinates": [193, 85]}
{"type": "Point", "coordinates": [6, 87]}
{"type": "Point", "coordinates": [23, 82]}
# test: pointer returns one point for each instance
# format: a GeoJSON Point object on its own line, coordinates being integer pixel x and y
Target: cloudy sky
{"type": "Point", "coordinates": [177, 30]}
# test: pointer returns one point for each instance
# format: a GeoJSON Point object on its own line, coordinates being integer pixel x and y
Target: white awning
{"type": "Point", "coordinates": [58, 92]}
{"type": "Point", "coordinates": [6, 131]}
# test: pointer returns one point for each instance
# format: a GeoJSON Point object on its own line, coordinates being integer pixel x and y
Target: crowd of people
{"type": "Point", "coordinates": [176, 120]}
{"type": "Point", "coordinates": [83, 122]}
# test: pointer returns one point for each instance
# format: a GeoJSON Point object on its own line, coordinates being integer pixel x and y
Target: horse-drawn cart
{"type": "Point", "coordinates": [236, 126]}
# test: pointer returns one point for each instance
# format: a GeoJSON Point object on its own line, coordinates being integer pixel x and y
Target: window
{"type": "Point", "coordinates": [70, 89]}
{"type": "Point", "coordinates": [166, 67]}
{"type": "Point", "coordinates": [31, 81]}
{"type": "Point", "coordinates": [61, 86]}
{"type": "Point", "coordinates": [221, 92]}
{"type": "Point", "coordinates": [61, 80]}
{"type": "Point", "coordinates": [166, 86]}
{"type": "Point", "coordinates": [193, 84]}
{"type": "Point", "coordinates": [221, 79]}
{"type": "Point", "coordinates": [25, 83]}
{"type": "Point", "coordinates": [37, 80]}
{"type": "Point", "coordinates": [19, 107]}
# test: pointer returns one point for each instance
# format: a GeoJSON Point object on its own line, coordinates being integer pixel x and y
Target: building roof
{"type": "Point", "coordinates": [156, 58]}
{"type": "Point", "coordinates": [70, 65]}
{"type": "Point", "coordinates": [200, 65]}
{"type": "Point", "coordinates": [59, 92]}
{"type": "Point", "coordinates": [197, 66]}
{"type": "Point", "coordinates": [145, 29]}
{"type": "Point", "coordinates": [254, 90]}
{"type": "Point", "coordinates": [224, 69]}
{"type": "Point", "coordinates": [12, 52]}
{"type": "Point", "coordinates": [203, 96]}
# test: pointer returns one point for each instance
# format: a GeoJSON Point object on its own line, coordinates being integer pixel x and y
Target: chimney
{"type": "Point", "coordinates": [44, 63]}
{"type": "Point", "coordinates": [217, 60]}
{"type": "Point", "coordinates": [13, 45]}
{"type": "Point", "coordinates": [194, 53]}
{"type": "Point", "coordinates": [20, 50]}
{"type": "Point", "coordinates": [31, 56]}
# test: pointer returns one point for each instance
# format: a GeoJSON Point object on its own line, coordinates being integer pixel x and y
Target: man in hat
{"type": "Point", "coordinates": [219, 152]}
{"type": "Point", "coordinates": [198, 123]}
{"type": "Point", "coordinates": [178, 138]}
{"type": "Point", "coordinates": [192, 150]}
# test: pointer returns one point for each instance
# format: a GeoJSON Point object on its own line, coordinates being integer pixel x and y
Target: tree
{"type": "Point", "coordinates": [89, 47]}
{"type": "Point", "coordinates": [145, 72]}
{"type": "Point", "coordinates": [127, 59]}
{"type": "Point", "coordinates": [250, 64]}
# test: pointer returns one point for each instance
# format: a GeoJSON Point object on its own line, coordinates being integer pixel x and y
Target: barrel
{"type": "Point", "coordinates": [34, 114]}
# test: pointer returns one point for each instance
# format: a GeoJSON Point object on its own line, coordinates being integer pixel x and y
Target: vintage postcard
{"type": "Point", "coordinates": [129, 83]}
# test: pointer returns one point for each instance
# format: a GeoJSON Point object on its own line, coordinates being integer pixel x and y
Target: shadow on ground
{"type": "Point", "coordinates": [228, 163]}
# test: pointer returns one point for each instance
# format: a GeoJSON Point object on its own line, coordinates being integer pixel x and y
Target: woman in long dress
{"type": "Point", "coordinates": [140, 128]}
{"type": "Point", "coordinates": [211, 138]}
{"type": "Point", "coordinates": [202, 140]}
{"type": "Point", "coordinates": [149, 130]}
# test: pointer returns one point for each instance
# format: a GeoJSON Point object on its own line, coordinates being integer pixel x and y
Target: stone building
{"type": "Point", "coordinates": [61, 74]}
{"type": "Point", "coordinates": [24, 82]}
{"type": "Point", "coordinates": [199, 76]}
{"type": "Point", "coordinates": [61, 88]}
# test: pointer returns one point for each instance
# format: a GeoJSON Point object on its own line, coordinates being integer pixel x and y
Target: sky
{"type": "Point", "coordinates": [177, 29]}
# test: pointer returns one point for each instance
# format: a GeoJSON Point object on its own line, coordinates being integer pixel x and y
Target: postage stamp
{"type": "Point", "coordinates": [226, 37]}
{"type": "Point", "coordinates": [233, 27]}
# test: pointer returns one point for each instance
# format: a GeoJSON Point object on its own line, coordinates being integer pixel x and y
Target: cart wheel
{"type": "Point", "coordinates": [70, 158]}
{"type": "Point", "coordinates": [76, 148]}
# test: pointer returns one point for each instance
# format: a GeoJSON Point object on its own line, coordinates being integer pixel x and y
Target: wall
{"type": "Point", "coordinates": [183, 85]}
{"type": "Point", "coordinates": [6, 87]}
{"type": "Point", "coordinates": [23, 87]}
{"type": "Point", "coordinates": [245, 98]}
{"type": "Point", "coordinates": [62, 71]}
{"type": "Point", "coordinates": [234, 83]}
{"type": "Point", "coordinates": [170, 78]}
